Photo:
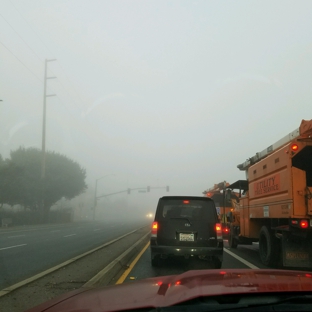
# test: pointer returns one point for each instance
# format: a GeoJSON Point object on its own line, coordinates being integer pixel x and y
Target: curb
{"type": "Point", "coordinates": [120, 263]}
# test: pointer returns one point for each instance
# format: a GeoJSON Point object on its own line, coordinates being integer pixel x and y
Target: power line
{"type": "Point", "coordinates": [69, 80]}
{"type": "Point", "coordinates": [59, 81]}
{"type": "Point", "coordinates": [30, 26]}
{"type": "Point", "coordinates": [47, 48]}
{"type": "Point", "coordinates": [22, 39]}
{"type": "Point", "coordinates": [30, 70]}
{"type": "Point", "coordinates": [21, 62]}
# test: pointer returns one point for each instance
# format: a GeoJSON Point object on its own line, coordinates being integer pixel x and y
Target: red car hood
{"type": "Point", "coordinates": [173, 289]}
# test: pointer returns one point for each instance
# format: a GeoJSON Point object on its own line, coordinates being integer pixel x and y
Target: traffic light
{"type": "Point", "coordinates": [148, 188]}
{"type": "Point", "coordinates": [167, 188]}
{"type": "Point", "coordinates": [129, 190]}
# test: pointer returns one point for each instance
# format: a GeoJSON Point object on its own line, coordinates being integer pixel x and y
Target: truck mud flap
{"type": "Point", "coordinates": [296, 252]}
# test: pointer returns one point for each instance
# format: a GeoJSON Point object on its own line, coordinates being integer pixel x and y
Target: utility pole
{"type": "Point", "coordinates": [45, 95]}
{"type": "Point", "coordinates": [95, 199]}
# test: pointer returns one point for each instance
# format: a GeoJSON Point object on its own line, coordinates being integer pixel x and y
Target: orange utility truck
{"type": "Point", "coordinates": [223, 204]}
{"type": "Point", "coordinates": [275, 201]}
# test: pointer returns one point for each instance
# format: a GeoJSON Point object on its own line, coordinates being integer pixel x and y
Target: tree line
{"type": "Point", "coordinates": [21, 181]}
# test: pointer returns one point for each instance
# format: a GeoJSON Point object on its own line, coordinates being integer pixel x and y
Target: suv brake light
{"type": "Point", "coordinates": [219, 231]}
{"type": "Point", "coordinates": [154, 229]}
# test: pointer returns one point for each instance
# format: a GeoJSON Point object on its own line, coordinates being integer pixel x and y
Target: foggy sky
{"type": "Point", "coordinates": [158, 92]}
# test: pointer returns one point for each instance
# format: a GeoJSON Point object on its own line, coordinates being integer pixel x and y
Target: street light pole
{"type": "Point", "coordinates": [95, 192]}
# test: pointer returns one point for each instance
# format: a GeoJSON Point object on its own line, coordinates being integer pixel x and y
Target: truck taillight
{"type": "Point", "coordinates": [219, 231]}
{"type": "Point", "coordinates": [304, 224]}
{"type": "Point", "coordinates": [154, 229]}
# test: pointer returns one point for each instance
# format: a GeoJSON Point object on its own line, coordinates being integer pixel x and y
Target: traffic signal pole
{"type": "Point", "coordinates": [148, 188]}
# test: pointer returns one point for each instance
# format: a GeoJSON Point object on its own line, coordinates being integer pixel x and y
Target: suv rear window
{"type": "Point", "coordinates": [192, 209]}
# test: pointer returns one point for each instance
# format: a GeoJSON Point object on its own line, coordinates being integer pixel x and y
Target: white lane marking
{"type": "Point", "coordinates": [13, 246]}
{"type": "Point", "coordinates": [26, 230]}
{"type": "Point", "coordinates": [15, 236]}
{"type": "Point", "coordinates": [96, 230]}
{"type": "Point", "coordinates": [69, 235]}
{"type": "Point", "coordinates": [55, 231]}
{"type": "Point", "coordinates": [250, 265]}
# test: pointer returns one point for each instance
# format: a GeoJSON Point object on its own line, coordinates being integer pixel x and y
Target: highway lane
{"type": "Point", "coordinates": [249, 253]}
{"type": "Point", "coordinates": [26, 251]}
{"type": "Point", "coordinates": [244, 257]}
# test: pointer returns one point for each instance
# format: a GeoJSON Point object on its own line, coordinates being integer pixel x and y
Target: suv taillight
{"type": "Point", "coordinates": [154, 229]}
{"type": "Point", "coordinates": [219, 231]}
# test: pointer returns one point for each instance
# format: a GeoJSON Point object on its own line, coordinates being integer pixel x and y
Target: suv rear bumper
{"type": "Point", "coordinates": [187, 251]}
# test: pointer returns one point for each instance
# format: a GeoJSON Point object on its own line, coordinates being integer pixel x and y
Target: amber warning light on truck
{"type": "Point", "coordinates": [294, 147]}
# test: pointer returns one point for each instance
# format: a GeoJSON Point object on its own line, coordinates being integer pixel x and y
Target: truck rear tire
{"type": "Point", "coordinates": [269, 247]}
{"type": "Point", "coordinates": [232, 240]}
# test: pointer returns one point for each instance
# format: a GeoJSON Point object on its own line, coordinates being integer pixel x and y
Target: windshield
{"type": "Point", "coordinates": [110, 109]}
{"type": "Point", "coordinates": [189, 209]}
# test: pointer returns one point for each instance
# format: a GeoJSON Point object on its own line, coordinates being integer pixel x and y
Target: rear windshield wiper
{"type": "Point", "coordinates": [183, 218]}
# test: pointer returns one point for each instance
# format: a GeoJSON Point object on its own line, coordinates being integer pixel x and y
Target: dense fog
{"type": "Point", "coordinates": [152, 93]}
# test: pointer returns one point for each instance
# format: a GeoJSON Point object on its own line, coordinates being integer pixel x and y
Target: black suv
{"type": "Point", "coordinates": [186, 226]}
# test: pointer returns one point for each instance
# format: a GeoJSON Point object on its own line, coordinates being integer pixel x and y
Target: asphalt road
{"type": "Point", "coordinates": [244, 257]}
{"type": "Point", "coordinates": [26, 251]}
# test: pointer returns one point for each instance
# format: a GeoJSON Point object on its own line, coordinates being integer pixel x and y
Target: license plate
{"type": "Point", "coordinates": [186, 237]}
